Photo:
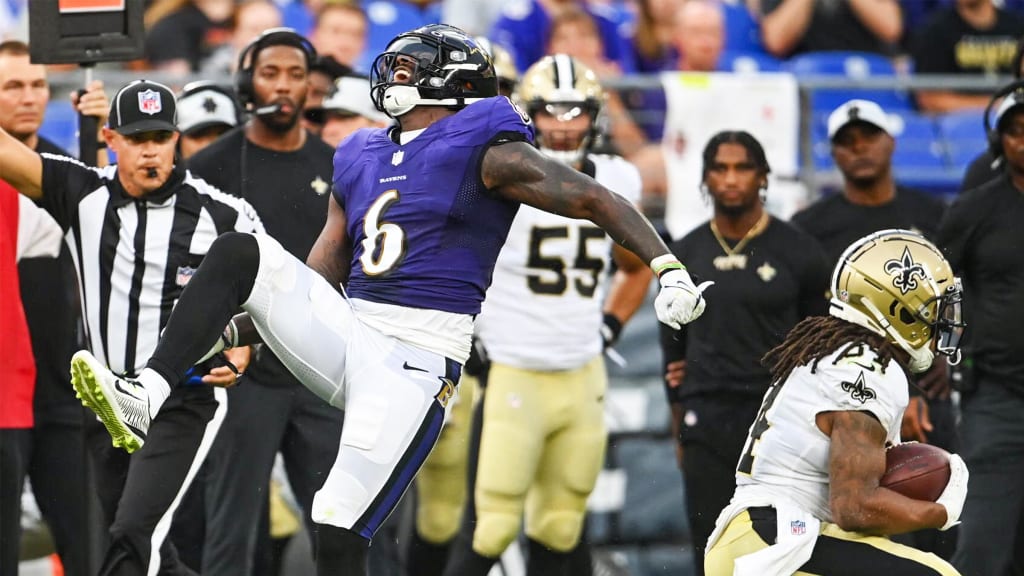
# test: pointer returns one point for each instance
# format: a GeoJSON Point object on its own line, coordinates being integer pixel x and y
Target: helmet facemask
{"type": "Point", "coordinates": [563, 90]}
{"type": "Point", "coordinates": [566, 143]}
{"type": "Point", "coordinates": [950, 326]}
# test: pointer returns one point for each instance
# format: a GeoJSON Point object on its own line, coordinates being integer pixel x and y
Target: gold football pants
{"type": "Point", "coordinates": [542, 448]}
{"type": "Point", "coordinates": [441, 482]}
{"type": "Point", "coordinates": [835, 552]}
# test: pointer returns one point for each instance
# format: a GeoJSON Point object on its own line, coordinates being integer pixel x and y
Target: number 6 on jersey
{"type": "Point", "coordinates": [384, 245]}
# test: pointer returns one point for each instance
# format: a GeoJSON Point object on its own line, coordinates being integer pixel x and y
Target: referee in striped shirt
{"type": "Point", "coordinates": [137, 231]}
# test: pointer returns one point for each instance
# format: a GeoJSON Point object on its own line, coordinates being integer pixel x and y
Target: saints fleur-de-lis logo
{"type": "Point", "coordinates": [319, 185]}
{"type": "Point", "coordinates": [859, 390]}
{"type": "Point", "coordinates": [905, 271]}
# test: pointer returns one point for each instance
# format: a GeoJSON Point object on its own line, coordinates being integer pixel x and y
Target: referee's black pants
{"type": "Point", "coordinates": [139, 493]}
{"type": "Point", "coordinates": [263, 420]}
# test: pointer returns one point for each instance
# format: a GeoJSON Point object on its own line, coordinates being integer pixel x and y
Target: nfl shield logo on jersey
{"type": "Point", "coordinates": [797, 527]}
{"type": "Point", "coordinates": [184, 274]}
{"type": "Point", "coordinates": [149, 102]}
{"type": "Point", "coordinates": [397, 157]}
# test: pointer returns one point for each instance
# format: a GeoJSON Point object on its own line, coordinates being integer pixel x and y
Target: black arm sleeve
{"type": "Point", "coordinates": [814, 281]}
{"type": "Point", "coordinates": [673, 348]}
{"type": "Point", "coordinates": [954, 234]}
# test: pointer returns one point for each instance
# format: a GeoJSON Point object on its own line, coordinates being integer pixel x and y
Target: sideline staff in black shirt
{"type": "Point", "coordinates": [982, 236]}
{"type": "Point", "coordinates": [285, 172]}
{"type": "Point", "coordinates": [768, 276]}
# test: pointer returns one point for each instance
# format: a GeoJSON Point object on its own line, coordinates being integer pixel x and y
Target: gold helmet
{"type": "Point", "coordinates": [504, 65]}
{"type": "Point", "coordinates": [564, 88]}
{"type": "Point", "coordinates": [897, 284]}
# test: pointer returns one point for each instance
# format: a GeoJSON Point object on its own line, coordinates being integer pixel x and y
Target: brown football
{"type": "Point", "coordinates": [918, 471]}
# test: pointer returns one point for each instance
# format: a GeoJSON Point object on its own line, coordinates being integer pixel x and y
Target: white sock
{"type": "Point", "coordinates": [156, 387]}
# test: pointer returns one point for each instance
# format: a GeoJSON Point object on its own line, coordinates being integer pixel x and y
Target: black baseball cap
{"type": "Point", "coordinates": [143, 106]}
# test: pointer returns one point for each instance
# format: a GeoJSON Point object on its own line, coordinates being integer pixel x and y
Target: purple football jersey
{"type": "Point", "coordinates": [425, 230]}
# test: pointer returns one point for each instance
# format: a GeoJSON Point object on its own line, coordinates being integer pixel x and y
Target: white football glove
{"type": "Point", "coordinates": [952, 498]}
{"type": "Point", "coordinates": [679, 301]}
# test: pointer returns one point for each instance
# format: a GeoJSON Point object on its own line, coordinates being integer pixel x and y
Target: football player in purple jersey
{"type": "Point", "coordinates": [379, 320]}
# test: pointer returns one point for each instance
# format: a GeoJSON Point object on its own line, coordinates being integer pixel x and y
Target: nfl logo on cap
{"type": "Point", "coordinates": [149, 102]}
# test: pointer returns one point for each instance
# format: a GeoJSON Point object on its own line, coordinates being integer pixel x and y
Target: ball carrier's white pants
{"type": "Point", "coordinates": [393, 394]}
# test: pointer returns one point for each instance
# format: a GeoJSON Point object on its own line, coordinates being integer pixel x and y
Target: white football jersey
{"type": "Point", "coordinates": [543, 309]}
{"type": "Point", "coordinates": [786, 454]}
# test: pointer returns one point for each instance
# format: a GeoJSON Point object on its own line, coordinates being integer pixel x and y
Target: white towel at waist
{"type": "Point", "coordinates": [796, 532]}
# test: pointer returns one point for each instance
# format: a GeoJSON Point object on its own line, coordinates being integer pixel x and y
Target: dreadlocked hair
{"type": "Point", "coordinates": [818, 336]}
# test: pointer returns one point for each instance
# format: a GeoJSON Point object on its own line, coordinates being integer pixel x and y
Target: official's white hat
{"type": "Point", "coordinates": [858, 111]}
{"type": "Point", "coordinates": [204, 104]}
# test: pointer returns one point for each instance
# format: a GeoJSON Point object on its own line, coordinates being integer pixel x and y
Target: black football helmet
{"type": "Point", "coordinates": [434, 65]}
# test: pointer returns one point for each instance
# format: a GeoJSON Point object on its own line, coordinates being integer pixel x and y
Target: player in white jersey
{"type": "Point", "coordinates": [808, 499]}
{"type": "Point", "coordinates": [543, 309]}
{"type": "Point", "coordinates": [542, 325]}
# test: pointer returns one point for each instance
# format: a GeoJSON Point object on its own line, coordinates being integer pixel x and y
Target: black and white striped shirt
{"type": "Point", "coordinates": [134, 255]}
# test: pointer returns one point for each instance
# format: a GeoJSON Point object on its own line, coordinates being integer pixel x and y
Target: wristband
{"type": "Point", "coordinates": [664, 263]}
{"type": "Point", "coordinates": [610, 329]}
{"type": "Point", "coordinates": [101, 145]}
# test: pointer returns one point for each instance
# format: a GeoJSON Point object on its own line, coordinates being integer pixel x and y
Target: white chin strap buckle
{"type": "Point", "coordinates": [400, 100]}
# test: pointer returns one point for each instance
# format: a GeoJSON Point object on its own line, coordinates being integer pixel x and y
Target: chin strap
{"type": "Point", "coordinates": [400, 100]}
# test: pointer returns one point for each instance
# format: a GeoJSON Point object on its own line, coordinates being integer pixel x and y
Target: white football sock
{"type": "Point", "coordinates": [156, 387]}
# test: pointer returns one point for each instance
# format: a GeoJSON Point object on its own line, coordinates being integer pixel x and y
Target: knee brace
{"type": "Point", "coordinates": [441, 492]}
{"type": "Point", "coordinates": [236, 257]}
{"type": "Point", "coordinates": [494, 532]}
{"type": "Point", "coordinates": [559, 530]}
{"type": "Point", "coordinates": [437, 522]}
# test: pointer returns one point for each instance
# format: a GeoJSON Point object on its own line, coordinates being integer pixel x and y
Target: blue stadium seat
{"type": "Point", "coordinates": [821, 148]}
{"type": "Point", "coordinates": [853, 65]}
{"type": "Point", "coordinates": [747, 62]}
{"type": "Point", "coordinates": [910, 125]}
{"type": "Point", "coordinates": [917, 145]}
{"type": "Point", "coordinates": [60, 125]}
{"type": "Point", "coordinates": [963, 133]}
